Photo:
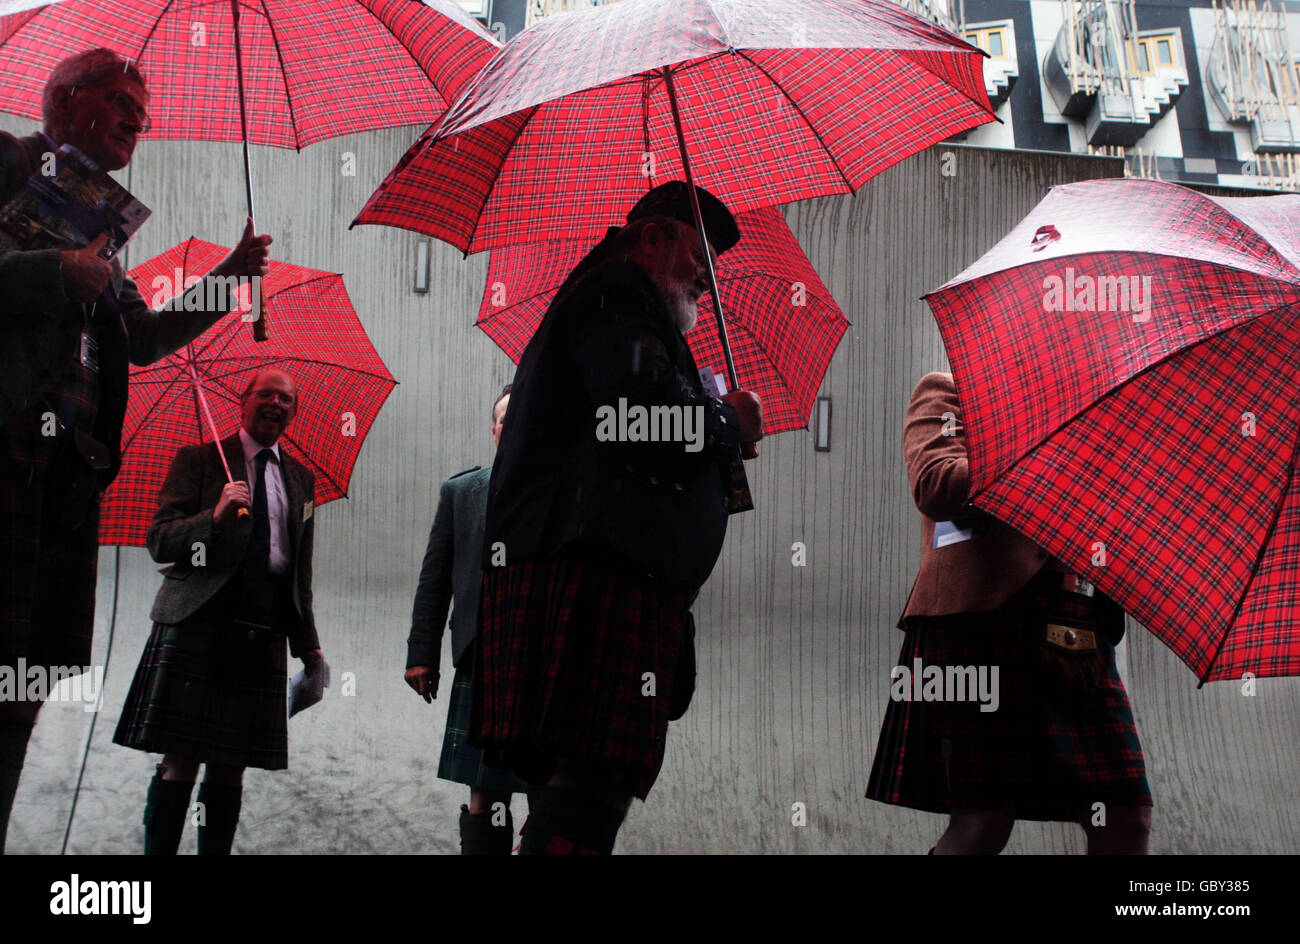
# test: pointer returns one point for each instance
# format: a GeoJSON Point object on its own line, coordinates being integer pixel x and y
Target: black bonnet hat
{"type": "Point", "coordinates": [674, 200]}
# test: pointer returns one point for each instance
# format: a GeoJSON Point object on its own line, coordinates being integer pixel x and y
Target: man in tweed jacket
{"type": "Point", "coordinates": [210, 685]}
{"type": "Point", "coordinates": [70, 322]}
{"type": "Point", "coordinates": [452, 578]}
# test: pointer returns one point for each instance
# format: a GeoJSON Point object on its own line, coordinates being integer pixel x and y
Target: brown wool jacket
{"type": "Point", "coordinates": [974, 576]}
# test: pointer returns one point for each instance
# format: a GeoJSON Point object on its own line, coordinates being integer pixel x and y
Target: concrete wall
{"type": "Point", "coordinates": [793, 661]}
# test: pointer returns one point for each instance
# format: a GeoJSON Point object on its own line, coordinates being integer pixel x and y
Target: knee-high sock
{"type": "Point", "coordinates": [221, 803]}
{"type": "Point", "coordinates": [165, 809]}
{"type": "Point", "coordinates": [14, 735]}
{"type": "Point", "coordinates": [479, 837]}
{"type": "Point", "coordinates": [568, 822]}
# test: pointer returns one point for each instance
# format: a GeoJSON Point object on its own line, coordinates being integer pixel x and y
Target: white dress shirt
{"type": "Point", "coordinates": [277, 499]}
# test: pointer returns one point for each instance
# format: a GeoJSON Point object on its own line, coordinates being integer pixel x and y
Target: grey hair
{"type": "Point", "coordinates": [93, 68]}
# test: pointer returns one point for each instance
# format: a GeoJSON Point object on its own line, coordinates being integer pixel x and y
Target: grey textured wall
{"type": "Point", "coordinates": [793, 661]}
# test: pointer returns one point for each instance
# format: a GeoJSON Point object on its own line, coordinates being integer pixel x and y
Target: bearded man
{"type": "Point", "coordinates": [597, 542]}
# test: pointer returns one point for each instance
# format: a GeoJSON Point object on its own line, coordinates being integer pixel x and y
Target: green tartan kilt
{"type": "Point", "coordinates": [211, 693]}
{"type": "Point", "coordinates": [460, 762]}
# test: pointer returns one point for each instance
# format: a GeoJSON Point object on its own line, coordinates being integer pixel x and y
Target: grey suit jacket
{"type": "Point", "coordinates": [183, 529]}
{"type": "Point", "coordinates": [40, 327]}
{"type": "Point", "coordinates": [452, 572]}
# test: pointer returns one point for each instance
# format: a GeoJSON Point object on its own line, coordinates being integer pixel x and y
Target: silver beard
{"type": "Point", "coordinates": [684, 309]}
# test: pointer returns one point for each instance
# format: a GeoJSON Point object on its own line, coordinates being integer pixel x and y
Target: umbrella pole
{"type": "Point", "coordinates": [259, 326]}
{"type": "Point", "coordinates": [699, 226]}
{"type": "Point", "coordinates": [212, 427]}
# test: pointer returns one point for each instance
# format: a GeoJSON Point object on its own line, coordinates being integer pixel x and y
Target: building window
{"type": "Point", "coordinates": [1155, 53]}
{"type": "Point", "coordinates": [994, 40]}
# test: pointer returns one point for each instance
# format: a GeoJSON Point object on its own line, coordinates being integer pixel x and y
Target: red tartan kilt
{"type": "Point", "coordinates": [561, 660]}
{"type": "Point", "coordinates": [1043, 754]}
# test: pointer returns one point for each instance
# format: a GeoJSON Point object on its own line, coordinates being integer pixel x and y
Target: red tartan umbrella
{"type": "Point", "coordinates": [286, 73]}
{"type": "Point", "coordinates": [1127, 363]}
{"type": "Point", "coordinates": [782, 320]}
{"type": "Point", "coordinates": [312, 69]}
{"type": "Point", "coordinates": [759, 103]}
{"type": "Point", "coordinates": [341, 382]}
{"type": "Point", "coordinates": [780, 101]}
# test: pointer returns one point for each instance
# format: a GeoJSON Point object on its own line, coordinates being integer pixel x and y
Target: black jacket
{"type": "Point", "coordinates": [555, 488]}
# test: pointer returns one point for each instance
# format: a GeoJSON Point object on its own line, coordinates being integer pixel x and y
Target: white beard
{"type": "Point", "coordinates": [684, 309]}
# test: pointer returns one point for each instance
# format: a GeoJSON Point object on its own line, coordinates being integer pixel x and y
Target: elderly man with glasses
{"type": "Point", "coordinates": [71, 320]}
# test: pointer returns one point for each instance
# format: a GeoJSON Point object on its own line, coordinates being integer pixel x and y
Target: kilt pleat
{"type": "Point", "coordinates": [202, 692]}
{"type": "Point", "coordinates": [1044, 754]}
{"type": "Point", "coordinates": [460, 761]}
{"type": "Point", "coordinates": [576, 659]}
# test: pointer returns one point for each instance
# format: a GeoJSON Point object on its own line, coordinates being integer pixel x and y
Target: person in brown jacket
{"type": "Point", "coordinates": [1006, 703]}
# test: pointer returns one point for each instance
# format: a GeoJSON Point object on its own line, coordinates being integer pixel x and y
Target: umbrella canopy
{"type": "Point", "coordinates": [1126, 360]}
{"type": "Point", "coordinates": [572, 120]}
{"type": "Point", "coordinates": [312, 69]}
{"type": "Point", "coordinates": [782, 321]}
{"type": "Point", "coordinates": [342, 383]}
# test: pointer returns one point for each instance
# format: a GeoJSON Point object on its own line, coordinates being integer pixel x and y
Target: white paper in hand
{"type": "Point", "coordinates": [308, 687]}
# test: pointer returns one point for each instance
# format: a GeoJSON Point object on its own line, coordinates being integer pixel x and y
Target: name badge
{"type": "Point", "coordinates": [89, 352]}
{"type": "Point", "coordinates": [947, 533]}
{"type": "Point", "coordinates": [307, 508]}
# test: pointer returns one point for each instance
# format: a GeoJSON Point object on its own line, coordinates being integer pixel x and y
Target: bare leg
{"type": "Point", "coordinates": [482, 801]}
{"type": "Point", "coordinates": [1127, 831]}
{"type": "Point", "coordinates": [178, 767]}
{"type": "Point", "coordinates": [976, 832]}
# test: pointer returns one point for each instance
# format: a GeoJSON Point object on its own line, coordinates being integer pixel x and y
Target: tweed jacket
{"type": "Point", "coordinates": [976, 575]}
{"type": "Point", "coordinates": [183, 525]}
{"type": "Point", "coordinates": [452, 573]}
{"type": "Point", "coordinates": [973, 576]}
{"type": "Point", "coordinates": [40, 327]}
{"type": "Point", "coordinates": [608, 336]}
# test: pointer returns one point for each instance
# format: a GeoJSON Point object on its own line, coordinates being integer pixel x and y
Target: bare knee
{"type": "Point", "coordinates": [227, 775]}
{"type": "Point", "coordinates": [1125, 831]}
{"type": "Point", "coordinates": [484, 801]}
{"type": "Point", "coordinates": [976, 832]}
{"type": "Point", "coordinates": [177, 767]}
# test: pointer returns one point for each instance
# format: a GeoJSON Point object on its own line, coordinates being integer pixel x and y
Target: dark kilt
{"type": "Point", "coordinates": [47, 572]}
{"type": "Point", "coordinates": [1043, 754]}
{"type": "Point", "coordinates": [461, 762]}
{"type": "Point", "coordinates": [204, 691]}
{"type": "Point", "coordinates": [561, 651]}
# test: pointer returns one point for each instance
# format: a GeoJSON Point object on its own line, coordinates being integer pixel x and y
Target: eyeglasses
{"type": "Point", "coordinates": [130, 109]}
{"type": "Point", "coordinates": [266, 396]}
